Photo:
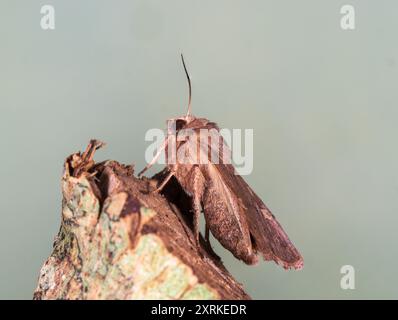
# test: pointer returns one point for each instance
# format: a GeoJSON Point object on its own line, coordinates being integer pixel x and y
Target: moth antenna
{"type": "Point", "coordinates": [190, 88]}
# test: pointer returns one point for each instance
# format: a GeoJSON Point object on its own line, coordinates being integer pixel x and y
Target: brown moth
{"type": "Point", "coordinates": [234, 214]}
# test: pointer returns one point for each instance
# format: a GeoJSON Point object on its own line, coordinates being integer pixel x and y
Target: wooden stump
{"type": "Point", "coordinates": [120, 240]}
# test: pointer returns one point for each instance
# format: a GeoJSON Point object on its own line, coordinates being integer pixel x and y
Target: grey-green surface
{"type": "Point", "coordinates": [321, 101]}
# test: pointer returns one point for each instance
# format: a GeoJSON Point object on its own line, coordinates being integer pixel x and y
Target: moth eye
{"type": "Point", "coordinates": [180, 124]}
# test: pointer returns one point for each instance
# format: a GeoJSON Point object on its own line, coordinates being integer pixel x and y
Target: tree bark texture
{"type": "Point", "coordinates": [120, 240]}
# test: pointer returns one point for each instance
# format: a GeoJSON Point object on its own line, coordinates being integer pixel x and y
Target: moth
{"type": "Point", "coordinates": [233, 212]}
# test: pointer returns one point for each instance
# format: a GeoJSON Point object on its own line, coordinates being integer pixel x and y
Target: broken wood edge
{"type": "Point", "coordinates": [118, 241]}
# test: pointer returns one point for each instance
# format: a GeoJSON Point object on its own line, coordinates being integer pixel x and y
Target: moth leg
{"type": "Point", "coordinates": [155, 158]}
{"type": "Point", "coordinates": [158, 189]}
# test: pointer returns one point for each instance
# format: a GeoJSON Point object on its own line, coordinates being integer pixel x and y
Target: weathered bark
{"type": "Point", "coordinates": [119, 240]}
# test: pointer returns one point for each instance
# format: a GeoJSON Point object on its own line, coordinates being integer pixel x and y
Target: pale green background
{"type": "Point", "coordinates": [321, 101]}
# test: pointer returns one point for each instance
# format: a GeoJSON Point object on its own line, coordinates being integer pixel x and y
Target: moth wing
{"type": "Point", "coordinates": [226, 217]}
{"type": "Point", "coordinates": [267, 234]}
{"type": "Point", "coordinates": [269, 237]}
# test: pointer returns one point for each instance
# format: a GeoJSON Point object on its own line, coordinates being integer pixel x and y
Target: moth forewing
{"type": "Point", "coordinates": [225, 215]}
{"type": "Point", "coordinates": [268, 237]}
{"type": "Point", "coordinates": [213, 148]}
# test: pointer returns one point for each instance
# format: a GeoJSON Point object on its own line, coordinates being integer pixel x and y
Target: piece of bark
{"type": "Point", "coordinates": [119, 240]}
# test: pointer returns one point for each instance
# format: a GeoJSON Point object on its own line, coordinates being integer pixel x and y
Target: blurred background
{"type": "Point", "coordinates": [321, 101]}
